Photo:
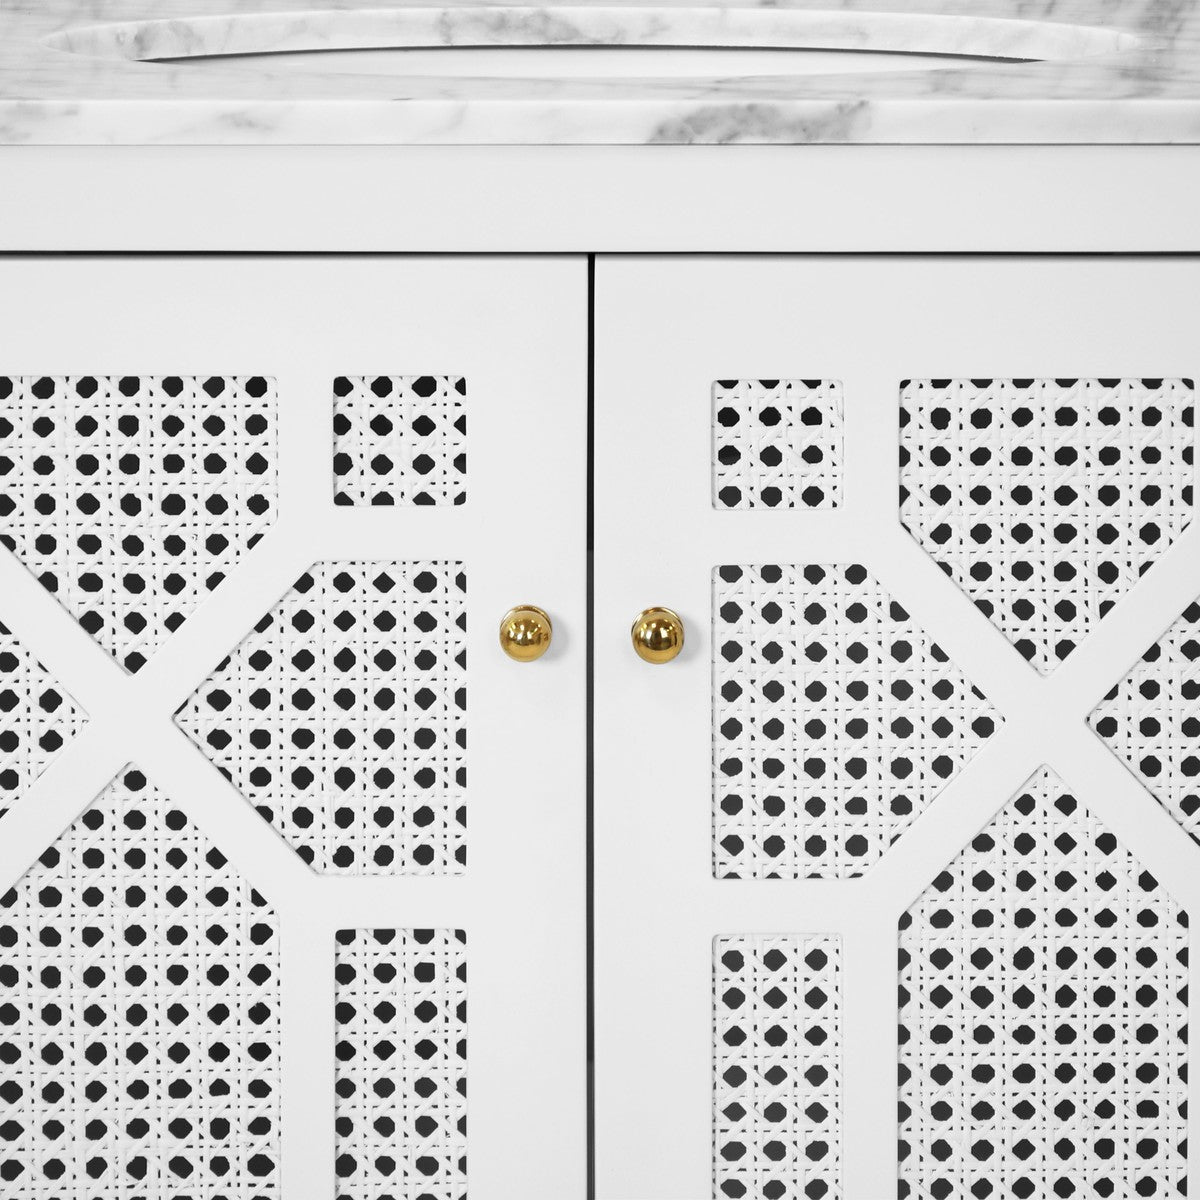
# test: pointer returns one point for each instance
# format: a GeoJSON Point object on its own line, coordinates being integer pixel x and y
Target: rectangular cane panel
{"type": "Point", "coordinates": [401, 1008]}
{"type": "Point", "coordinates": [777, 1046]}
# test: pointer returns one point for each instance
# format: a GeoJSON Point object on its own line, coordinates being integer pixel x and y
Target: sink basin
{"type": "Point", "coordinates": [585, 42]}
{"type": "Point", "coordinates": [580, 62]}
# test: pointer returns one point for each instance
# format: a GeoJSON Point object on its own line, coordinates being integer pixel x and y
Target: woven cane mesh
{"type": "Point", "coordinates": [131, 498]}
{"type": "Point", "coordinates": [1043, 1016]}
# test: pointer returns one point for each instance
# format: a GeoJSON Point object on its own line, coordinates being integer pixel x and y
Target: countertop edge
{"type": "Point", "coordinates": [956, 121]}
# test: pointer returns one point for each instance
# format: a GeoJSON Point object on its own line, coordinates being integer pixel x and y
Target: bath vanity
{"type": "Point", "coordinates": [597, 600]}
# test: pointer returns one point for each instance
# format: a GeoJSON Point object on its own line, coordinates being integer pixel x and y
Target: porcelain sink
{"type": "Point", "coordinates": [585, 42]}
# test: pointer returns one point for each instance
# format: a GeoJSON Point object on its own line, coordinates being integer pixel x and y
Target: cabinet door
{"type": "Point", "coordinates": [905, 826]}
{"type": "Point", "coordinates": [311, 920]}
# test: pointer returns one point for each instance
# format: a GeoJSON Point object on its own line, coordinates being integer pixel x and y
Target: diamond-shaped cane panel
{"type": "Point", "coordinates": [1046, 499]}
{"type": "Point", "coordinates": [1151, 720]}
{"type": "Point", "coordinates": [131, 497]}
{"type": "Point", "coordinates": [37, 718]}
{"type": "Point", "coordinates": [1043, 1015]}
{"type": "Point", "coordinates": [836, 720]}
{"type": "Point", "coordinates": [139, 1015]}
{"type": "Point", "coordinates": [342, 717]}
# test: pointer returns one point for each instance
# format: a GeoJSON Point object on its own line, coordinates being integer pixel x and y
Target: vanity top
{"type": "Point", "coordinates": [286, 72]}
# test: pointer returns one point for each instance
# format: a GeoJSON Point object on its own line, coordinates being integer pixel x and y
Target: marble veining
{"type": "Point", "coordinates": [191, 72]}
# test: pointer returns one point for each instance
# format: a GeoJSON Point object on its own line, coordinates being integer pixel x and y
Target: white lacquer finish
{"type": "Point", "coordinates": [71, 74]}
{"type": "Point", "coordinates": [516, 329]}
{"type": "Point", "coordinates": [669, 328]}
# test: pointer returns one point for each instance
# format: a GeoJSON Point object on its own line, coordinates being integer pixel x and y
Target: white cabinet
{"type": "Point", "coordinates": [903, 507]}
{"type": "Point", "coordinates": [169, 422]}
{"type": "Point", "coordinates": [906, 827]}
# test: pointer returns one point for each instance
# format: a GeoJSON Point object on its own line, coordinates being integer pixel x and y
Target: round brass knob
{"type": "Point", "coordinates": [525, 633]}
{"type": "Point", "coordinates": [657, 635]}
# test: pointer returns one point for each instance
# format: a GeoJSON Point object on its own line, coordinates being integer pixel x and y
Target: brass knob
{"type": "Point", "coordinates": [525, 633]}
{"type": "Point", "coordinates": [657, 635]}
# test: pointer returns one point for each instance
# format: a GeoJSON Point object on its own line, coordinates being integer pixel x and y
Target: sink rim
{"type": "Point", "coordinates": [979, 40]}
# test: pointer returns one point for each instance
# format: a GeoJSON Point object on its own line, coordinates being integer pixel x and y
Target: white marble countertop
{"type": "Point", "coordinates": [80, 72]}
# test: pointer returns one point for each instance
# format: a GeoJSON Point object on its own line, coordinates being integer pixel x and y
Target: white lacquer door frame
{"type": "Point", "coordinates": [517, 330]}
{"type": "Point", "coordinates": [665, 329]}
